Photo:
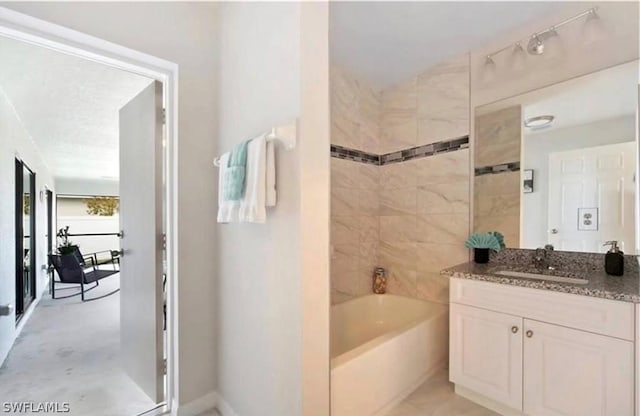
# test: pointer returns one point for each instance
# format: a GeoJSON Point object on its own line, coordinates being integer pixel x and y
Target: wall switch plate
{"type": "Point", "coordinates": [588, 219]}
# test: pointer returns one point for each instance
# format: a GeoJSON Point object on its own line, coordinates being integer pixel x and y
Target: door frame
{"type": "Point", "coordinates": [38, 32]}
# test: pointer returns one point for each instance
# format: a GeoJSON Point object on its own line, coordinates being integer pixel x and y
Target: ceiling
{"type": "Point", "coordinates": [69, 106]}
{"type": "Point", "coordinates": [387, 42]}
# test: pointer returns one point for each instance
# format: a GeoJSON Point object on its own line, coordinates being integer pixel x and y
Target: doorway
{"type": "Point", "coordinates": [163, 208]}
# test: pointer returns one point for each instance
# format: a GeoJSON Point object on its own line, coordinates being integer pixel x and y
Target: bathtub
{"type": "Point", "coordinates": [382, 348]}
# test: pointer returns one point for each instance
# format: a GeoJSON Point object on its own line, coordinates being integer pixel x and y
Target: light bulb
{"type": "Point", "coordinates": [489, 69]}
{"type": "Point", "coordinates": [518, 58]}
{"type": "Point", "coordinates": [554, 47]}
{"type": "Point", "coordinates": [593, 29]}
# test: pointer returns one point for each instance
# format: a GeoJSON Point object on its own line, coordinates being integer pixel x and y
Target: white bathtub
{"type": "Point", "coordinates": [382, 348]}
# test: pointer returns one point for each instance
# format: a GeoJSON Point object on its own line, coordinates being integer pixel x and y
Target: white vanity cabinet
{"type": "Point", "coordinates": [507, 351]}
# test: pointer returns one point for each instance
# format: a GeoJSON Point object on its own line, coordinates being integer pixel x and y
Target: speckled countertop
{"type": "Point", "coordinates": [623, 288]}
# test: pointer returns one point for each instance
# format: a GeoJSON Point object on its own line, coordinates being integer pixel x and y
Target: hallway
{"type": "Point", "coordinates": [68, 353]}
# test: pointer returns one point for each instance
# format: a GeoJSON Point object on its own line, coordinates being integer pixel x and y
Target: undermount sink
{"type": "Point", "coordinates": [537, 276]}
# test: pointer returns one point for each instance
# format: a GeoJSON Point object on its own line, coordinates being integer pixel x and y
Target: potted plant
{"type": "Point", "coordinates": [481, 243]}
{"type": "Point", "coordinates": [64, 245]}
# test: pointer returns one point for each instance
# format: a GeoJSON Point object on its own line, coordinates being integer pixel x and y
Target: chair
{"type": "Point", "coordinates": [72, 269]}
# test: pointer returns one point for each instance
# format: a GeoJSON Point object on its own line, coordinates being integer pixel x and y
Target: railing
{"type": "Point", "coordinates": [94, 234]}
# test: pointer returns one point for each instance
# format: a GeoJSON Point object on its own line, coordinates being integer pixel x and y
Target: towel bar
{"type": "Point", "coordinates": [287, 134]}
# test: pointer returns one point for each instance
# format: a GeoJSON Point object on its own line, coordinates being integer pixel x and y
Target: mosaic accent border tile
{"type": "Point", "coordinates": [401, 155]}
{"type": "Point", "coordinates": [354, 155]}
{"type": "Point", "coordinates": [505, 167]}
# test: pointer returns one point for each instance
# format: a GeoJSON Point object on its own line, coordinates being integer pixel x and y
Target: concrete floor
{"type": "Point", "coordinates": [68, 352]}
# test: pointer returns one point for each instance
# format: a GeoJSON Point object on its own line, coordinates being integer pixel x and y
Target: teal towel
{"type": "Point", "coordinates": [235, 174]}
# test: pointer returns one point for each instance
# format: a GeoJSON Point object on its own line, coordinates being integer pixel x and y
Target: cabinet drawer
{"type": "Point", "coordinates": [601, 316]}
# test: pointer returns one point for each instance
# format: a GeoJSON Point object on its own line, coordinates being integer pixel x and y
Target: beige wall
{"type": "Point", "coordinates": [184, 33]}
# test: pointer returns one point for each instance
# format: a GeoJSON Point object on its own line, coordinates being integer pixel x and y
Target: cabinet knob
{"type": "Point", "coordinates": [514, 329]}
{"type": "Point", "coordinates": [529, 333]}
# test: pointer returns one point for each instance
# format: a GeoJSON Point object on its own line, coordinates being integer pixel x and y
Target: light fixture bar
{"type": "Point", "coordinates": [549, 29]}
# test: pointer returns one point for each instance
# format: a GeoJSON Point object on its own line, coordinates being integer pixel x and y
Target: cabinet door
{"type": "Point", "coordinates": [486, 353]}
{"type": "Point", "coordinates": [571, 372]}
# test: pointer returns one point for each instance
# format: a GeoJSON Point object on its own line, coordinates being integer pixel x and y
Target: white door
{"type": "Point", "coordinates": [141, 223]}
{"type": "Point", "coordinates": [486, 353]}
{"type": "Point", "coordinates": [575, 373]}
{"type": "Point", "coordinates": [599, 178]}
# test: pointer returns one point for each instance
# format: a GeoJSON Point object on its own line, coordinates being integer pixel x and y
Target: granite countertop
{"type": "Point", "coordinates": [622, 288]}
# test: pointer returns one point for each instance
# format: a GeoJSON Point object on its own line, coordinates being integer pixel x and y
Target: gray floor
{"type": "Point", "coordinates": [68, 352]}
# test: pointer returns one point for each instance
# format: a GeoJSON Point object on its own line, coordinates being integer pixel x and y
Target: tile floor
{"type": "Point", "coordinates": [68, 352]}
{"type": "Point", "coordinates": [435, 397]}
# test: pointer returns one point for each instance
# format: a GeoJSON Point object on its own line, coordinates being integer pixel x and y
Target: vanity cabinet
{"type": "Point", "coordinates": [503, 356]}
{"type": "Point", "coordinates": [486, 353]}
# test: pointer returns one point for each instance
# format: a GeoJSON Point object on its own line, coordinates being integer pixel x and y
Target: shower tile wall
{"type": "Point", "coordinates": [410, 217]}
{"type": "Point", "coordinates": [497, 195]}
{"type": "Point", "coordinates": [355, 124]}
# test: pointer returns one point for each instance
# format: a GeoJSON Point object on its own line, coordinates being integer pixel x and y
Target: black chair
{"type": "Point", "coordinates": [72, 269]}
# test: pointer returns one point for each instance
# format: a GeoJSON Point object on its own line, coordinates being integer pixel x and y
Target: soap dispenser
{"type": "Point", "coordinates": [614, 259]}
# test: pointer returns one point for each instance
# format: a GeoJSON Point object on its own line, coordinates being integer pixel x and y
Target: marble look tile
{"type": "Point", "coordinates": [497, 205]}
{"type": "Point", "coordinates": [399, 117]}
{"type": "Point", "coordinates": [345, 258]}
{"type": "Point", "coordinates": [398, 175]}
{"type": "Point", "coordinates": [398, 254]}
{"type": "Point", "coordinates": [442, 228]}
{"type": "Point", "coordinates": [498, 183]}
{"type": "Point", "coordinates": [344, 201]}
{"type": "Point", "coordinates": [401, 97]}
{"type": "Point", "coordinates": [401, 282]}
{"type": "Point", "coordinates": [344, 92]}
{"type": "Point", "coordinates": [400, 228]}
{"type": "Point", "coordinates": [399, 131]}
{"type": "Point", "coordinates": [368, 176]}
{"type": "Point", "coordinates": [339, 297]}
{"type": "Point", "coordinates": [433, 257]}
{"type": "Point", "coordinates": [344, 173]}
{"type": "Point", "coordinates": [345, 230]}
{"type": "Point", "coordinates": [432, 287]}
{"type": "Point", "coordinates": [369, 228]}
{"type": "Point", "coordinates": [443, 168]}
{"type": "Point", "coordinates": [508, 225]}
{"type": "Point", "coordinates": [443, 126]}
{"type": "Point", "coordinates": [344, 132]}
{"type": "Point", "coordinates": [368, 253]}
{"type": "Point", "coordinates": [398, 201]}
{"type": "Point", "coordinates": [443, 101]}
{"type": "Point", "coordinates": [444, 198]}
{"type": "Point", "coordinates": [498, 136]}
{"type": "Point", "coordinates": [368, 202]}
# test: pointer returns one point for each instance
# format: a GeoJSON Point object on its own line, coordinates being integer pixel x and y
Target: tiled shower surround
{"type": "Point", "coordinates": [404, 203]}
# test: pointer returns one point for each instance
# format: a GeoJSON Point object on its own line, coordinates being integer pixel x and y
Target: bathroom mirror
{"type": "Point", "coordinates": [557, 165]}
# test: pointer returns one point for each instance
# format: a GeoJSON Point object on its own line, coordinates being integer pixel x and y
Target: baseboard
{"type": "Point", "coordinates": [223, 407]}
{"type": "Point", "coordinates": [197, 406]}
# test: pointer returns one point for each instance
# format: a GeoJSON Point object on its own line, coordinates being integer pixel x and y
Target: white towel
{"type": "Point", "coordinates": [227, 210]}
{"type": "Point", "coordinates": [271, 176]}
{"type": "Point", "coordinates": [259, 188]}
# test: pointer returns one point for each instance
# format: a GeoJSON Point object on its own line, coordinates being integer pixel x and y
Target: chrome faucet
{"type": "Point", "coordinates": [541, 257]}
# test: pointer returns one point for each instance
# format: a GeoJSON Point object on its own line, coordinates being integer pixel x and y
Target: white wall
{"type": "Point", "coordinates": [14, 139]}
{"type": "Point", "coordinates": [84, 187]}
{"type": "Point", "coordinates": [184, 33]}
{"type": "Point", "coordinates": [273, 278]}
{"type": "Point", "coordinates": [536, 150]}
{"type": "Point", "coordinates": [259, 283]}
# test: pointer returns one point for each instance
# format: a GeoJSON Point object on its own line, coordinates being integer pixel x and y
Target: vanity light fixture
{"type": "Point", "coordinates": [538, 42]}
{"type": "Point", "coordinates": [539, 122]}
